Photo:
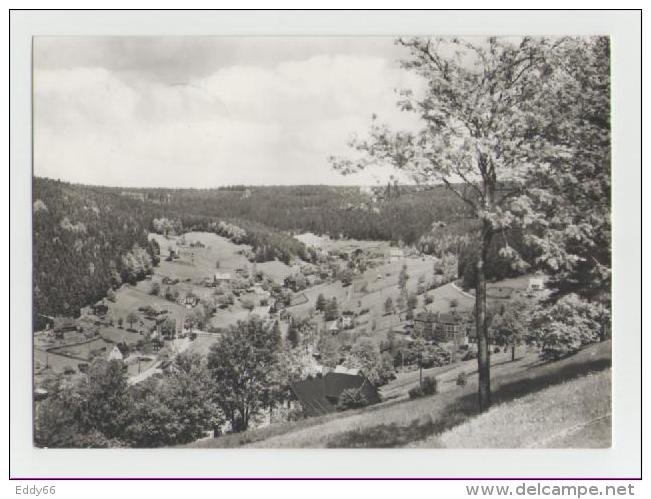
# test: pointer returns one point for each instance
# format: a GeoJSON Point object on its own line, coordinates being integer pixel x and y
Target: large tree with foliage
{"type": "Point", "coordinates": [492, 114]}
{"type": "Point", "coordinates": [175, 408]}
{"type": "Point", "coordinates": [242, 365]}
{"type": "Point", "coordinates": [510, 326]}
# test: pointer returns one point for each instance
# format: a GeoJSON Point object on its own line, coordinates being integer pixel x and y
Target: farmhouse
{"type": "Point", "coordinates": [319, 395]}
{"type": "Point", "coordinates": [219, 277]}
{"type": "Point", "coordinates": [62, 325]}
{"type": "Point", "coordinates": [115, 354]}
{"type": "Point", "coordinates": [536, 284]}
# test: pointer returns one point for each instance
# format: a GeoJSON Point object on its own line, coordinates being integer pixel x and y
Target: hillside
{"type": "Point", "coordinates": [448, 418]}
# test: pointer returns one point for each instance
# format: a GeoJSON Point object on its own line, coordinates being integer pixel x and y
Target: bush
{"type": "Point", "coordinates": [69, 370]}
{"type": "Point", "coordinates": [469, 355]}
{"type": "Point", "coordinates": [497, 349]}
{"type": "Point", "coordinates": [351, 398]}
{"type": "Point", "coordinates": [430, 385]}
{"type": "Point", "coordinates": [415, 392]}
{"type": "Point", "coordinates": [462, 379]}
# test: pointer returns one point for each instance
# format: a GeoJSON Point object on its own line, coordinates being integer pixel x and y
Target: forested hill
{"type": "Point", "coordinates": [398, 214]}
{"type": "Point", "coordinates": [85, 241]}
{"type": "Point", "coordinates": [88, 239]}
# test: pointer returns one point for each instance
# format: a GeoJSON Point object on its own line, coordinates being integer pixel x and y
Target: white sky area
{"type": "Point", "coordinates": [208, 111]}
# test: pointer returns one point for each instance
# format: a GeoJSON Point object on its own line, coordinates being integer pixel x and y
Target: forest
{"type": "Point", "coordinates": [88, 239]}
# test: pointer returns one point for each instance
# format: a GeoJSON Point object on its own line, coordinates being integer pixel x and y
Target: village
{"type": "Point", "coordinates": [205, 284]}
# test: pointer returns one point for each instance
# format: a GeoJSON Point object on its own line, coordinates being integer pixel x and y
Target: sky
{"type": "Point", "coordinates": [209, 111]}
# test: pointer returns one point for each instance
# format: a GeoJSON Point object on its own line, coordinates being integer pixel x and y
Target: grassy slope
{"type": "Point", "coordinates": [400, 422]}
{"type": "Point", "coordinates": [572, 414]}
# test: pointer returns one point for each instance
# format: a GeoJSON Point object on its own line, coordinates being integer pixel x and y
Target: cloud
{"type": "Point", "coordinates": [253, 124]}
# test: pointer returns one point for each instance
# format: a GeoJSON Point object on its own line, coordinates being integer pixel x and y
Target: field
{"type": "Point", "coordinates": [536, 392]}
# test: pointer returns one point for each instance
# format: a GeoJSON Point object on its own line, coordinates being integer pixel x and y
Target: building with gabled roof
{"type": "Point", "coordinates": [319, 395]}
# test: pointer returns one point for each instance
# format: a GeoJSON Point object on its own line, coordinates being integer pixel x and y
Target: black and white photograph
{"type": "Point", "coordinates": [322, 242]}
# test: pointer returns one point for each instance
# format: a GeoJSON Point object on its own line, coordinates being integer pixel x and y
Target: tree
{"type": "Point", "coordinates": [293, 335]}
{"type": "Point", "coordinates": [332, 310]}
{"type": "Point", "coordinates": [197, 317]}
{"type": "Point", "coordinates": [388, 306]}
{"type": "Point", "coordinates": [412, 301]}
{"type": "Point", "coordinates": [575, 215]}
{"type": "Point", "coordinates": [247, 304]}
{"type": "Point", "coordinates": [132, 318]}
{"type": "Point", "coordinates": [486, 111]}
{"type": "Point", "coordinates": [120, 322]}
{"type": "Point", "coordinates": [175, 409]}
{"type": "Point", "coordinates": [329, 350]}
{"type": "Point", "coordinates": [346, 276]}
{"type": "Point", "coordinates": [403, 278]}
{"type": "Point", "coordinates": [351, 398]}
{"type": "Point", "coordinates": [509, 328]}
{"type": "Point", "coordinates": [320, 303]}
{"type": "Point", "coordinates": [365, 355]}
{"type": "Point", "coordinates": [106, 400]}
{"type": "Point", "coordinates": [241, 366]}
{"type": "Point", "coordinates": [168, 327]}
{"type": "Point", "coordinates": [155, 289]}
{"type": "Point", "coordinates": [564, 327]}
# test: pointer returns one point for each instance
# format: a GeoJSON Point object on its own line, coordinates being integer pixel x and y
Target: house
{"type": "Point", "coordinates": [347, 370]}
{"type": "Point", "coordinates": [347, 320]}
{"type": "Point", "coordinates": [396, 254]}
{"type": "Point", "coordinates": [536, 284]}
{"type": "Point", "coordinates": [451, 327]}
{"type": "Point", "coordinates": [115, 354]}
{"type": "Point", "coordinates": [442, 327]}
{"type": "Point", "coordinates": [219, 277]}
{"type": "Point", "coordinates": [62, 325]}
{"type": "Point", "coordinates": [319, 395]}
{"type": "Point", "coordinates": [333, 327]}
{"type": "Point", "coordinates": [190, 301]}
{"type": "Point", "coordinates": [100, 309]}
{"type": "Point", "coordinates": [262, 312]}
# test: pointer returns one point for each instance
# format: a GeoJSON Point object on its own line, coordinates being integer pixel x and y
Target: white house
{"type": "Point", "coordinates": [396, 254]}
{"type": "Point", "coordinates": [115, 354]}
{"type": "Point", "coordinates": [222, 277]}
{"type": "Point", "coordinates": [536, 284]}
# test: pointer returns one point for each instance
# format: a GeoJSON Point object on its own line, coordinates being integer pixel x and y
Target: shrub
{"type": "Point", "coordinates": [415, 392]}
{"type": "Point", "coordinates": [497, 349]}
{"type": "Point", "coordinates": [351, 398]}
{"type": "Point", "coordinates": [430, 385]}
{"type": "Point", "coordinates": [469, 355]}
{"type": "Point", "coordinates": [462, 379]}
{"type": "Point", "coordinates": [68, 370]}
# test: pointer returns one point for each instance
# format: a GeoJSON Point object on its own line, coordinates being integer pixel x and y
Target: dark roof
{"type": "Point", "coordinates": [441, 318]}
{"type": "Point", "coordinates": [320, 395]}
{"type": "Point", "coordinates": [64, 324]}
{"type": "Point", "coordinates": [450, 318]}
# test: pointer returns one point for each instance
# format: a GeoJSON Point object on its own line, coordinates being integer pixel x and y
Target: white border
{"type": "Point", "coordinates": [622, 460]}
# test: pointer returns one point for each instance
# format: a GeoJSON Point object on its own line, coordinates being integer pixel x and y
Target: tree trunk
{"type": "Point", "coordinates": [513, 352]}
{"type": "Point", "coordinates": [483, 357]}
